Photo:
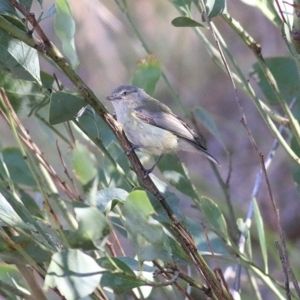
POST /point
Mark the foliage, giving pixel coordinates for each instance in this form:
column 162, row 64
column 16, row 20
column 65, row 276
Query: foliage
column 89, row 224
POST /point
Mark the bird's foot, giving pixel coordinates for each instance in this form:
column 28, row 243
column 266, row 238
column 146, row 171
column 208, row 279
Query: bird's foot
column 148, row 171
column 132, row 148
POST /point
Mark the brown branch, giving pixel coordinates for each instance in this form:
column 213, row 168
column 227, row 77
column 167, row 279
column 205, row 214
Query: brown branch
column 165, row 273
column 280, row 11
column 118, row 242
column 285, row 270
column 170, row 281
column 31, row 18
column 279, row 228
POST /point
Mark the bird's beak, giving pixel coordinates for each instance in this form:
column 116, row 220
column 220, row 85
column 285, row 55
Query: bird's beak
column 111, row 98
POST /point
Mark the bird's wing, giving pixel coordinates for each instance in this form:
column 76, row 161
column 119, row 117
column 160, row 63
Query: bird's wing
column 161, row 116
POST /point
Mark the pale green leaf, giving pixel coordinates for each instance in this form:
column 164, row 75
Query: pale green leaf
column 84, row 164
column 261, row 234
column 147, row 73
column 147, row 236
column 73, row 273
column 65, row 28
column 214, row 216
column 18, row 58
column 64, row 107
column 205, row 118
column 8, row 215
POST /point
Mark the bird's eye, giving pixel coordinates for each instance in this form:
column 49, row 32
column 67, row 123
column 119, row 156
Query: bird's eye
column 125, row 93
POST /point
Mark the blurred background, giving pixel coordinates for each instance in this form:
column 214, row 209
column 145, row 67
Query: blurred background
column 108, row 51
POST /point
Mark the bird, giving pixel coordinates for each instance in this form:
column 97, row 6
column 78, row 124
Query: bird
column 151, row 126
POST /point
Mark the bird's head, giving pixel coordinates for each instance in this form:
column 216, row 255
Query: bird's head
column 127, row 93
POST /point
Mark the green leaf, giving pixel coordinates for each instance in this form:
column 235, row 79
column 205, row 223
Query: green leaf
column 119, row 282
column 147, row 73
column 18, row 58
column 206, row 240
column 23, row 95
column 8, row 215
column 106, row 197
column 183, row 5
column 19, row 171
column 50, row 12
column 285, row 72
column 93, row 227
column 110, row 174
column 6, row 6
column 64, row 107
column 7, row 272
column 10, row 255
column 215, row 8
column 176, row 173
column 172, row 200
column 295, row 167
column 147, row 236
column 14, row 20
column 214, row 216
column 120, row 277
column 49, row 81
column 73, row 273
column 114, row 264
column 26, row 3
column 84, row 164
column 30, row 204
column 135, row 265
column 185, row 22
column 205, row 118
column 65, row 28
column 95, row 127
column 261, row 234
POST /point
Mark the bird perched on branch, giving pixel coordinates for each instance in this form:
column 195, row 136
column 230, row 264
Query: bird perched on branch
column 151, row 126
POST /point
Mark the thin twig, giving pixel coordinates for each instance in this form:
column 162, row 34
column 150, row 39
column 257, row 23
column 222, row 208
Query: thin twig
column 169, row 281
column 118, row 242
column 217, row 270
column 285, row 270
column 189, row 280
column 67, row 172
column 279, row 228
column 31, row 18
column 111, row 248
column 167, row 275
column 280, row 11
column 254, row 194
column 71, row 133
column 25, row 137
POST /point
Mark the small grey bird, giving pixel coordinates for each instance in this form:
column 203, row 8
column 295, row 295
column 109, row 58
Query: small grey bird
column 151, row 126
